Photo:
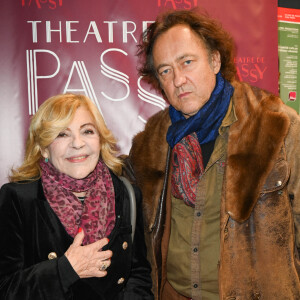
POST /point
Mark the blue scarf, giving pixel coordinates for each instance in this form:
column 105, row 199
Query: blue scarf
column 208, row 119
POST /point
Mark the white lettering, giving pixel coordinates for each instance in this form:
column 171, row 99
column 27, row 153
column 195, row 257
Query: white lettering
column 66, row 31
column 33, row 77
column 49, row 30
column 34, row 30
column 86, row 83
column 69, row 30
column 95, row 32
column 150, row 98
column 146, row 24
column 126, row 32
column 114, row 74
column 110, row 30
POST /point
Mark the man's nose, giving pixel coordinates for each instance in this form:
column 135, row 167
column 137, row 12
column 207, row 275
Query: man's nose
column 179, row 78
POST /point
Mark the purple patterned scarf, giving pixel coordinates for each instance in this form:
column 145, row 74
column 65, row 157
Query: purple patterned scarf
column 187, row 169
column 186, row 135
column 96, row 216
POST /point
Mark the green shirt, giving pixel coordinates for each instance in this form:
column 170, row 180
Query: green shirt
column 194, row 246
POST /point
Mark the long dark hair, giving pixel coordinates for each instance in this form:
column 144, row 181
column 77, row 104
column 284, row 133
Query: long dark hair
column 209, row 30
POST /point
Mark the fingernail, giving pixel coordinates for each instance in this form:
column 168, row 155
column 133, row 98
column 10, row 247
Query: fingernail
column 79, row 230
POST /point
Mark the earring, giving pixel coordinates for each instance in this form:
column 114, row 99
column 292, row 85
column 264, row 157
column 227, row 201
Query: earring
column 46, row 159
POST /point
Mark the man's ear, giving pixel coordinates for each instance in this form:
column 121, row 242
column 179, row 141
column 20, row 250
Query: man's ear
column 216, row 61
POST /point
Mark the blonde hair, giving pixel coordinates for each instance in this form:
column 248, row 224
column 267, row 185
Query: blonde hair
column 54, row 116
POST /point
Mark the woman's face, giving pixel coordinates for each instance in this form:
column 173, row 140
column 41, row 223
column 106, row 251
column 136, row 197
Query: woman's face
column 75, row 151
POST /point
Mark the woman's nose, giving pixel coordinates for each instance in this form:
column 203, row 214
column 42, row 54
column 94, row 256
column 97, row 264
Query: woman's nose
column 77, row 142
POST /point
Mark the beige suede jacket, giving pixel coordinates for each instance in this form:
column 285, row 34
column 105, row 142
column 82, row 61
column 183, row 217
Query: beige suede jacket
column 260, row 204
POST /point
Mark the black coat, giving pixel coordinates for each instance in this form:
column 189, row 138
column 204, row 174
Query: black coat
column 30, row 230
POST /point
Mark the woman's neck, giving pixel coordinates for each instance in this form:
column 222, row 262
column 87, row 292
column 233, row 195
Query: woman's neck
column 80, row 194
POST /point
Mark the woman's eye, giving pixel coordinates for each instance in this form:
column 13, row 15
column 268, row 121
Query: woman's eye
column 89, row 131
column 61, row 134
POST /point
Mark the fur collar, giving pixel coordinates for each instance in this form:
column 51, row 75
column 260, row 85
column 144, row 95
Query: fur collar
column 254, row 141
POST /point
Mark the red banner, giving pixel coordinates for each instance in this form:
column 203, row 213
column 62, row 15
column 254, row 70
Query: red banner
column 56, row 46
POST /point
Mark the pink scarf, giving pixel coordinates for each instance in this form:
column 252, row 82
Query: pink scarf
column 187, row 169
column 96, row 216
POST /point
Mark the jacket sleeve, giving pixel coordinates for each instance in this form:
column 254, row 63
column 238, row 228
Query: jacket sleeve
column 19, row 279
column 139, row 283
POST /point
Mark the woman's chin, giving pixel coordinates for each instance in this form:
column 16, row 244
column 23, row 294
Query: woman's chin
column 79, row 175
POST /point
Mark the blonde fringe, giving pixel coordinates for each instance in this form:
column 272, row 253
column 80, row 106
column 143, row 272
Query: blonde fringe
column 58, row 111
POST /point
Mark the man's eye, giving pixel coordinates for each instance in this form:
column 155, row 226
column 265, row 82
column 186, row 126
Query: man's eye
column 164, row 72
column 187, row 62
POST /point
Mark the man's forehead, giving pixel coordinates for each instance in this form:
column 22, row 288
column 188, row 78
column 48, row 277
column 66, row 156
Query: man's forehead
column 176, row 44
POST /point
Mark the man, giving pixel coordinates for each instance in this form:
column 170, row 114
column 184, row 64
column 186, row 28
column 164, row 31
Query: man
column 219, row 171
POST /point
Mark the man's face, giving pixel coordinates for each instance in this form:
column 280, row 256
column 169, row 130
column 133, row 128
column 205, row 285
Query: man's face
column 185, row 69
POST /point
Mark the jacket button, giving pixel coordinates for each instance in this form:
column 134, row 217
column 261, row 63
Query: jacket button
column 52, row 255
column 121, row 280
column 278, row 183
column 125, row 245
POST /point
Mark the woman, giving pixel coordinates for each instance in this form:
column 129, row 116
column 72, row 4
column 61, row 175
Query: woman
column 64, row 217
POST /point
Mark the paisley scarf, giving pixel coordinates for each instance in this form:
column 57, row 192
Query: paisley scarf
column 186, row 135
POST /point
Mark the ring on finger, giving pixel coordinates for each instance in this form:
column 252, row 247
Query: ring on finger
column 103, row 267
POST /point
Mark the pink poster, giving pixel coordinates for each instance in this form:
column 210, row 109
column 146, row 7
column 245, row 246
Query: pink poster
column 56, row 46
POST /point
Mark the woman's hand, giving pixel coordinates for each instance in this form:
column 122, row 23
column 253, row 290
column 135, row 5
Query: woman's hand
column 89, row 260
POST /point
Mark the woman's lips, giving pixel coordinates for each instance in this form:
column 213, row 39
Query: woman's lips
column 75, row 159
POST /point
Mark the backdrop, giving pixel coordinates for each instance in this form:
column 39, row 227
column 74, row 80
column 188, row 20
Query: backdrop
column 289, row 55
column 56, row 46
